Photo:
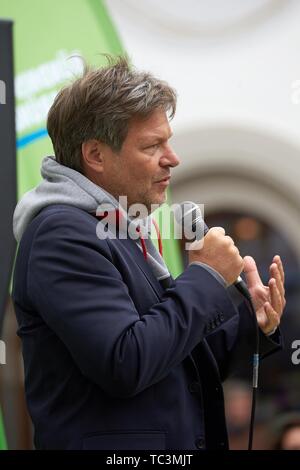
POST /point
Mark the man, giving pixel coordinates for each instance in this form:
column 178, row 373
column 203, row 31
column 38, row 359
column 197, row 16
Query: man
column 113, row 360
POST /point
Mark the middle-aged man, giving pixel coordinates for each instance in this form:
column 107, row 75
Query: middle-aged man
column 114, row 359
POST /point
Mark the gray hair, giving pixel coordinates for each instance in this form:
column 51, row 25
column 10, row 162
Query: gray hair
column 100, row 105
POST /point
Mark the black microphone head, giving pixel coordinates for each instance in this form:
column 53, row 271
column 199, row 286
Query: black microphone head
column 189, row 218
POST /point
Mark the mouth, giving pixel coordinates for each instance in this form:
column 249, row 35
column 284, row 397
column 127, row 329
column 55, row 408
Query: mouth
column 164, row 181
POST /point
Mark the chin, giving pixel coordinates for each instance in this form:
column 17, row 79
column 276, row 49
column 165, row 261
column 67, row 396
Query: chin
column 153, row 199
column 160, row 200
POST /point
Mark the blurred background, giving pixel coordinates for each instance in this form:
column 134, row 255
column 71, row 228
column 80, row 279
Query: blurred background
column 236, row 68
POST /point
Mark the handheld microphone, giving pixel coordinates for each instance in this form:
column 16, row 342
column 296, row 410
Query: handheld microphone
column 189, row 217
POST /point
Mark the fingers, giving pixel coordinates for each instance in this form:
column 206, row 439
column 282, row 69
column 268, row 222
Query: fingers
column 220, row 253
column 273, row 319
column 251, row 272
column 218, row 229
column 276, row 271
column 275, row 296
column 278, row 261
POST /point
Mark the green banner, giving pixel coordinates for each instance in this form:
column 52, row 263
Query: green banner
column 3, row 444
column 47, row 33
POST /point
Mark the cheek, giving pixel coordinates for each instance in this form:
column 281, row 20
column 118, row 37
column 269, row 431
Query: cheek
column 143, row 173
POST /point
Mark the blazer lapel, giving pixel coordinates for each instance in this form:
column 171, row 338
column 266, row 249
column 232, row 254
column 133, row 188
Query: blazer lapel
column 134, row 252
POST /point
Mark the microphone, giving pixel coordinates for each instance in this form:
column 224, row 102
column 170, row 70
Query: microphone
column 189, row 217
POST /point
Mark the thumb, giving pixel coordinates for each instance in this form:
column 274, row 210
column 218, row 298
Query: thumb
column 251, row 272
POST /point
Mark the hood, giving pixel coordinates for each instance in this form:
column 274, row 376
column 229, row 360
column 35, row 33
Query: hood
column 60, row 185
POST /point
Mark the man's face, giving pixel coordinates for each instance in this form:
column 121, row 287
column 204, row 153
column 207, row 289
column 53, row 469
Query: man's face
column 141, row 169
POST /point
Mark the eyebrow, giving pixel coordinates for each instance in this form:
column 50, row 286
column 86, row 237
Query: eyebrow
column 154, row 137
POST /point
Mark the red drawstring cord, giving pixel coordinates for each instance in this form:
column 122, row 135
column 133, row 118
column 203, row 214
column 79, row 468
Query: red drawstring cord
column 160, row 247
column 142, row 243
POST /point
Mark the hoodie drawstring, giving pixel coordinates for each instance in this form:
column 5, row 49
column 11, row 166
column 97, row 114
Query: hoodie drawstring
column 160, row 246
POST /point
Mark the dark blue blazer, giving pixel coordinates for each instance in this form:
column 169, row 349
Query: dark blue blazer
column 113, row 361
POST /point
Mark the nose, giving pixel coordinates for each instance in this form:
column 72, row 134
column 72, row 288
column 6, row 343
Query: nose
column 169, row 157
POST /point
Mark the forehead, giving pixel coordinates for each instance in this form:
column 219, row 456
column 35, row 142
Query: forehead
column 154, row 126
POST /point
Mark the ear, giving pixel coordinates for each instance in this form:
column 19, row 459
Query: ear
column 92, row 155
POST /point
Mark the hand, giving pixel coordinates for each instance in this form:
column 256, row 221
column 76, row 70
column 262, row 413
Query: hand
column 269, row 301
column 218, row 251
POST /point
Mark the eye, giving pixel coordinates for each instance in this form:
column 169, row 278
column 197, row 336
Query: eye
column 153, row 147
